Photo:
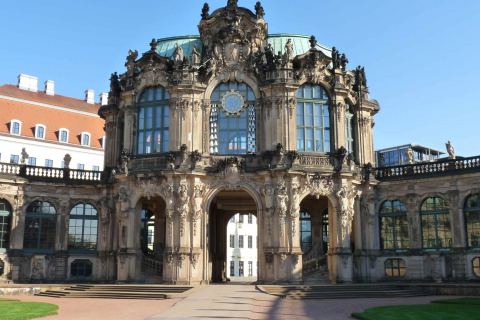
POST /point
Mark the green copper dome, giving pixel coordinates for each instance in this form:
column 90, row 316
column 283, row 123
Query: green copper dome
column 301, row 44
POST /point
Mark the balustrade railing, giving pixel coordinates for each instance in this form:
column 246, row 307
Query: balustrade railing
column 50, row 174
column 425, row 169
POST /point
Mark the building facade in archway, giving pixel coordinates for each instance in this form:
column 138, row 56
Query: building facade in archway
column 199, row 128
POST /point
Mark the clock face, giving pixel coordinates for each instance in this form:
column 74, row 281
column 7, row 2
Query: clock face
column 233, row 102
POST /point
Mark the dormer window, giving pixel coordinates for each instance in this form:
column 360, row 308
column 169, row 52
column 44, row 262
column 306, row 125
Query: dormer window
column 15, row 127
column 40, row 131
column 85, row 139
column 63, row 135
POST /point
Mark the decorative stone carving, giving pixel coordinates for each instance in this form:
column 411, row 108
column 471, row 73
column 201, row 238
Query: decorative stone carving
column 205, row 11
column 38, row 266
column 66, row 161
column 148, row 187
column 182, row 205
column 124, row 198
column 198, row 194
column 450, row 149
column 24, row 157
column 294, row 206
column 259, row 11
column 320, row 185
column 268, row 192
column 346, row 198
column 281, row 205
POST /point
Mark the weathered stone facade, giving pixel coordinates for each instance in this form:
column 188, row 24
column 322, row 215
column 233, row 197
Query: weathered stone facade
column 192, row 191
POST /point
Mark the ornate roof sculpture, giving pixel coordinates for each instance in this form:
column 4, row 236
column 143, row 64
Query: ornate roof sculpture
column 234, row 42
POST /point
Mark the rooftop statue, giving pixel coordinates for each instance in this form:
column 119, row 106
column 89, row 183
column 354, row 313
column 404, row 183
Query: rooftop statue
column 232, row 3
column 178, row 55
column 450, row 149
column 259, row 11
column 205, row 11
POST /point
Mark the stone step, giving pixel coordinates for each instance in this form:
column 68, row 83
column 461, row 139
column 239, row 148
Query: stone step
column 342, row 291
column 116, row 291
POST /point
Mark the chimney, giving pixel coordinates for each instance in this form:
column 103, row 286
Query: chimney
column 27, row 82
column 90, row 96
column 50, row 87
column 104, row 98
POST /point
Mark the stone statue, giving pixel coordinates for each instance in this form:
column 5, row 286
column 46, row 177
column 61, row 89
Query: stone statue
column 114, row 87
column 24, row 156
column 450, row 150
column 66, row 161
column 153, row 45
column 130, row 64
column 259, row 11
column 205, row 11
column 288, row 54
column 410, row 155
column 232, row 3
column 178, row 54
column 313, row 42
column 195, row 56
column 281, row 201
column 343, row 61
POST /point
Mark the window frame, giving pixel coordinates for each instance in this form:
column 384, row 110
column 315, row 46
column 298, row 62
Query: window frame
column 16, row 121
column 305, row 216
column 436, row 214
column 470, row 211
column 399, row 271
column 85, row 134
column 39, row 126
column 5, row 225
column 49, row 217
column 395, row 215
column 152, row 135
column 233, row 133
column 67, row 132
column 83, row 218
column 317, row 121
column 47, row 162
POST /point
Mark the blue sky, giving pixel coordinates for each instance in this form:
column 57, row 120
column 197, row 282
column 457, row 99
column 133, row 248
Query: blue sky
column 421, row 56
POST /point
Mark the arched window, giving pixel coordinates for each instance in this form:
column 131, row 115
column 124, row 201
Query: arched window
column 393, row 225
column 40, row 223
column 232, row 119
column 349, row 133
column 153, row 121
column 83, row 227
column 147, row 230
column 436, row 229
column 305, row 231
column 471, row 210
column 313, row 119
column 5, row 218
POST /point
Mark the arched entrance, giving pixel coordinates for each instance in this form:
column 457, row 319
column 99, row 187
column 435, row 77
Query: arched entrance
column 315, row 229
column 151, row 237
column 235, row 211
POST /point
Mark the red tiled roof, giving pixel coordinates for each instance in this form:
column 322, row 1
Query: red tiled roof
column 31, row 114
column 42, row 97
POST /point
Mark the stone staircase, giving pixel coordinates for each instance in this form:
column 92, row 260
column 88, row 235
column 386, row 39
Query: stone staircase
column 342, row 291
column 105, row 291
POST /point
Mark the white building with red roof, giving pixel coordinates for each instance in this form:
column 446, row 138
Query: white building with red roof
column 48, row 126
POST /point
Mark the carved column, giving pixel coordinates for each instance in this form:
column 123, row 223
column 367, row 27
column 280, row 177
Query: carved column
column 339, row 124
column 206, row 126
column 414, row 221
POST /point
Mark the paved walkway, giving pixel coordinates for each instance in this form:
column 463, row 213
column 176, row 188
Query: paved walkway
column 217, row 302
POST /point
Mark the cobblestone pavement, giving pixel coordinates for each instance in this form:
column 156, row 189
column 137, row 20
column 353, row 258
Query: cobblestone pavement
column 217, row 302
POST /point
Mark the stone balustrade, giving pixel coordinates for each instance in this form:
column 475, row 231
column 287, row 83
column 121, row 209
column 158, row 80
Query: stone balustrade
column 426, row 169
column 37, row 173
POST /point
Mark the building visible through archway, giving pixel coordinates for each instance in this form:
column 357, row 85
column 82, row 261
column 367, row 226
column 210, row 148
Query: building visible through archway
column 224, row 206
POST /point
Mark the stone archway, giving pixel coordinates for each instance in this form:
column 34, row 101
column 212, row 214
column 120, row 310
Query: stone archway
column 224, row 204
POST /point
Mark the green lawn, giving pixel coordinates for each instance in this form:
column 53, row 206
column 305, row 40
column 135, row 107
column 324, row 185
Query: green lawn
column 454, row 309
column 17, row 310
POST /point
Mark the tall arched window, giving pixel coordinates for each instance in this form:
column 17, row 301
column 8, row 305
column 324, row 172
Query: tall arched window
column 153, row 121
column 5, row 218
column 305, row 231
column 313, row 119
column 232, row 119
column 436, row 228
column 471, row 211
column 393, row 225
column 147, row 231
column 40, row 224
column 83, row 227
column 349, row 133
